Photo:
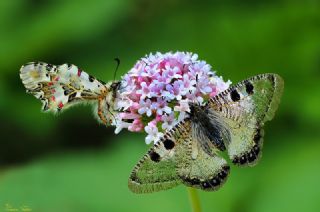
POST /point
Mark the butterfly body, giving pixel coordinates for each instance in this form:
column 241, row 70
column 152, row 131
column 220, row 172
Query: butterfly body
column 189, row 153
column 211, row 128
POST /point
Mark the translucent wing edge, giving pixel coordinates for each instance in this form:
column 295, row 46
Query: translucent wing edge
column 278, row 84
column 136, row 187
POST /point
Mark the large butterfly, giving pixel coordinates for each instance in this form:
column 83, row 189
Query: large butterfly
column 232, row 121
column 59, row 87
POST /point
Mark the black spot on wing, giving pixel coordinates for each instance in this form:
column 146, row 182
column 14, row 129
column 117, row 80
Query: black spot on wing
column 205, row 185
column 256, row 150
column 49, row 67
column 247, row 158
column 45, row 106
column 215, row 182
column 249, row 87
column 243, row 159
column 102, row 82
column 91, row 78
column 72, row 97
column 154, row 156
column 193, row 181
column 271, row 77
column 134, row 177
column 257, row 136
column 168, row 144
column 235, row 160
column 251, row 157
column 234, row 95
column 66, row 92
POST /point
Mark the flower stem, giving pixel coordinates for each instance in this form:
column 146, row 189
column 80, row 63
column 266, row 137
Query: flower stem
column 194, row 199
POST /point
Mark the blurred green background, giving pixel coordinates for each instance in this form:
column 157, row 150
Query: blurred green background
column 71, row 163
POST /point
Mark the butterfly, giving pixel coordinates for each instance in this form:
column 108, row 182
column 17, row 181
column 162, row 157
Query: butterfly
column 190, row 153
column 59, row 87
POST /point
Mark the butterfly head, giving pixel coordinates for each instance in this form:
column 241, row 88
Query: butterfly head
column 195, row 107
column 111, row 90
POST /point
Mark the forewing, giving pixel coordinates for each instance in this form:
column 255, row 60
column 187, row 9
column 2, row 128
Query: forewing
column 60, row 86
column 245, row 108
column 157, row 170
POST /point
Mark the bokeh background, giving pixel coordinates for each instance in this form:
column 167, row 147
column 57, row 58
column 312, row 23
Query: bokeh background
column 71, row 163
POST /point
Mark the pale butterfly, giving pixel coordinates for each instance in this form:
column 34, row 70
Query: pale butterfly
column 189, row 153
column 59, row 87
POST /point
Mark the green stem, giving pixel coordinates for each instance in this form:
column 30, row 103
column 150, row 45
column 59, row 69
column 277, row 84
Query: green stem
column 194, row 199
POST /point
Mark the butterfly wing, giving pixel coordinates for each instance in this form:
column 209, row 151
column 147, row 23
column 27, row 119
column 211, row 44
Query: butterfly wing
column 178, row 158
column 205, row 170
column 245, row 108
column 59, row 87
column 157, row 169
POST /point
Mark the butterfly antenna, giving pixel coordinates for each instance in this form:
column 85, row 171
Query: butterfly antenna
column 118, row 64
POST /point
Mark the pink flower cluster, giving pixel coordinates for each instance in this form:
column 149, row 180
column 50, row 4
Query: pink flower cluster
column 156, row 92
